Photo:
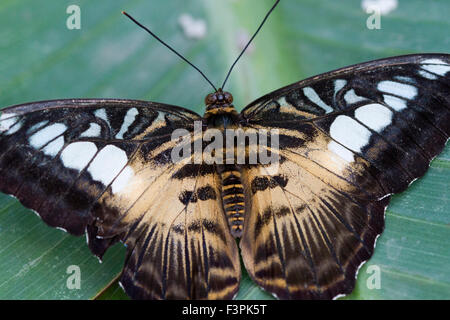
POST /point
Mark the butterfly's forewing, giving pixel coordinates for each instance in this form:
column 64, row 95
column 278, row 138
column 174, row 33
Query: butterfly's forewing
column 105, row 167
column 348, row 139
column 59, row 157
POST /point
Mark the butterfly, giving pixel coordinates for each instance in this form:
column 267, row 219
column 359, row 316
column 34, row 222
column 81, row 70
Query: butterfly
column 348, row 140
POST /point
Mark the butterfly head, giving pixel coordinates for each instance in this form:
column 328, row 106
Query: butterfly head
column 219, row 102
column 218, row 99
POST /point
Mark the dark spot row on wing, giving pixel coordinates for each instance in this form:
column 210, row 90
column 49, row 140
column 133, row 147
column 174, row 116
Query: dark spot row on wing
column 187, row 196
column 210, row 226
column 262, row 183
column 203, row 193
column 206, row 193
column 192, row 170
column 178, row 228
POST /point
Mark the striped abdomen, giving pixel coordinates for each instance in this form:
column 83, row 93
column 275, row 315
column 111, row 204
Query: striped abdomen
column 233, row 199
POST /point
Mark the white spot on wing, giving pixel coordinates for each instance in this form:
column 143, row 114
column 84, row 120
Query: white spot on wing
column 94, row 130
column 101, row 113
column 7, row 120
column 437, row 69
column 351, row 97
column 427, row 75
column 14, row 128
column 107, row 164
column 400, row 89
column 161, row 116
column 405, row 79
column 434, row 61
column 375, row 116
column 282, row 101
column 349, row 133
column 122, row 179
column 77, row 155
column 338, row 85
column 192, row 28
column 311, row 94
column 54, row 147
column 342, row 152
column 395, row 103
column 42, row 137
column 37, row 126
column 127, row 122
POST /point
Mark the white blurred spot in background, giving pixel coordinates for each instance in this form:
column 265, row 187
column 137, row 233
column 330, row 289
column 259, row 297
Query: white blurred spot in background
column 192, row 28
column 242, row 38
column 382, row 6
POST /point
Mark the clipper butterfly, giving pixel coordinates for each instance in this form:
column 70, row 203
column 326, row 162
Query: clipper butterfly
column 348, row 140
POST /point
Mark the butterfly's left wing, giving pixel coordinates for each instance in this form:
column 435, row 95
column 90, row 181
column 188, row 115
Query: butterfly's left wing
column 104, row 167
column 348, row 139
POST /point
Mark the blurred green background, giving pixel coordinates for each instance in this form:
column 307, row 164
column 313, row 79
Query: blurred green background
column 41, row 59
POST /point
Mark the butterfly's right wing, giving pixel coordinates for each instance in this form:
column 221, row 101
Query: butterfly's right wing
column 60, row 158
column 348, row 139
column 105, row 167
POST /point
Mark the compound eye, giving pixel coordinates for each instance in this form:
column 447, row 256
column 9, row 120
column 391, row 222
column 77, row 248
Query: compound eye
column 210, row 99
column 228, row 97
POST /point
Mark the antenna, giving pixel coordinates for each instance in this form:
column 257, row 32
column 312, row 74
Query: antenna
column 248, row 43
column 186, row 60
column 169, row 47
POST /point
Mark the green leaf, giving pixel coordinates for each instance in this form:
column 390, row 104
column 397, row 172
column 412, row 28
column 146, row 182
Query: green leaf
column 41, row 59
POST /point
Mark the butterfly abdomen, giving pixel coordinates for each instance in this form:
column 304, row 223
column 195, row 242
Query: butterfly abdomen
column 233, row 199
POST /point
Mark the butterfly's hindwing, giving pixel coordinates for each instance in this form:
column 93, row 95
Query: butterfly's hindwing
column 315, row 219
column 348, row 139
column 180, row 246
column 304, row 237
